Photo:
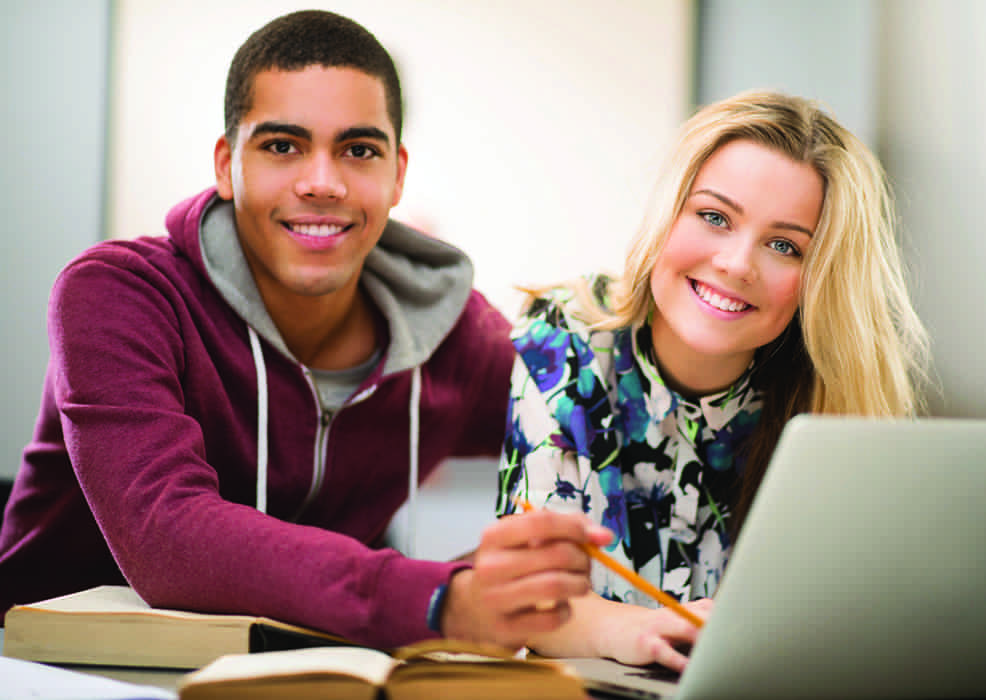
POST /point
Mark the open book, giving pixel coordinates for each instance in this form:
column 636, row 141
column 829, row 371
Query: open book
column 111, row 625
column 422, row 671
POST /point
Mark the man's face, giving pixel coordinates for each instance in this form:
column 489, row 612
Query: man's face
column 313, row 174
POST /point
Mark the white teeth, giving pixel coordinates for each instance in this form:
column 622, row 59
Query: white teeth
column 720, row 302
column 316, row 229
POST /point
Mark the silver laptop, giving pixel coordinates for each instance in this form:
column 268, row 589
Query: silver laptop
column 860, row 573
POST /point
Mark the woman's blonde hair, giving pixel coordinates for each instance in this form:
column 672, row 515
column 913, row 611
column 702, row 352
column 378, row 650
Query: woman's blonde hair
column 856, row 345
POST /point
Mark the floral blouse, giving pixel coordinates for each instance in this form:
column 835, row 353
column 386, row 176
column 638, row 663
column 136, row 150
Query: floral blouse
column 592, row 427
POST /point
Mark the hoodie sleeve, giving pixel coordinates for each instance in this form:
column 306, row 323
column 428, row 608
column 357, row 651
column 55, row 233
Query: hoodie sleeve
column 123, row 346
column 481, row 339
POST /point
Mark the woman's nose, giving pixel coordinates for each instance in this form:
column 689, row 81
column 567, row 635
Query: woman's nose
column 737, row 258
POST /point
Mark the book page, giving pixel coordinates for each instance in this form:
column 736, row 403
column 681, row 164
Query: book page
column 99, row 599
column 369, row 664
column 123, row 599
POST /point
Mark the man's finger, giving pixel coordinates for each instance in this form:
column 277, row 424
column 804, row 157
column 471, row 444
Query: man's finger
column 537, row 526
column 502, row 565
column 531, row 591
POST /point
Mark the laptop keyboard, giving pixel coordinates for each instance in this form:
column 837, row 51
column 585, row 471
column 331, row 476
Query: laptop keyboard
column 656, row 672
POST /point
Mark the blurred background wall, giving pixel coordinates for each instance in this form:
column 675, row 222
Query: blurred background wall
column 53, row 78
column 532, row 125
column 527, row 123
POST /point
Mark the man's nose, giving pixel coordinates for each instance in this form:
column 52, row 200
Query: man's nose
column 321, row 179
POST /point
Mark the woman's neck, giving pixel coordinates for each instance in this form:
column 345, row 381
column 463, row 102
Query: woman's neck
column 691, row 373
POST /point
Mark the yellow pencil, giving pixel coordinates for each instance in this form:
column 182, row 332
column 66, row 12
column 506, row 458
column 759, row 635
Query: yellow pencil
column 633, row 577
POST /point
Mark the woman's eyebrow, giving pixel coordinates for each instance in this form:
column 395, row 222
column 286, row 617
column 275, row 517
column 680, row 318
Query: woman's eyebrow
column 722, row 198
column 735, row 206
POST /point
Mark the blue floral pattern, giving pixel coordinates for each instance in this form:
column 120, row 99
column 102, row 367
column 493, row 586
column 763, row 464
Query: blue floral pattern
column 592, row 428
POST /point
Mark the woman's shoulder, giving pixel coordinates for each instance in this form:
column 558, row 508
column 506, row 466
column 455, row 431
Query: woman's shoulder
column 574, row 307
column 559, row 327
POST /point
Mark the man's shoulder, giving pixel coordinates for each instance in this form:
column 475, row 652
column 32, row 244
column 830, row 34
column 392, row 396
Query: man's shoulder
column 479, row 313
column 138, row 256
column 481, row 330
column 127, row 253
column 148, row 262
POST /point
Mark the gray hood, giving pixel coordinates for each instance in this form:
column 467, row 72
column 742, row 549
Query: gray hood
column 419, row 284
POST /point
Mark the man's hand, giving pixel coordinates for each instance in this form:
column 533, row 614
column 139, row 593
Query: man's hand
column 525, row 570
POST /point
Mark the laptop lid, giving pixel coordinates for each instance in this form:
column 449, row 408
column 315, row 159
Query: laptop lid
column 861, row 569
column 860, row 572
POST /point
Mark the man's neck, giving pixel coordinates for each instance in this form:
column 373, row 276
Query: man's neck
column 335, row 331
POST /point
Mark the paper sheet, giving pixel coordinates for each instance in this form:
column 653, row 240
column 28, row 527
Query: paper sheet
column 25, row 680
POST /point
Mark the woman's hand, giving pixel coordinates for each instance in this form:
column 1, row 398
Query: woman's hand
column 627, row 633
column 525, row 571
column 634, row 635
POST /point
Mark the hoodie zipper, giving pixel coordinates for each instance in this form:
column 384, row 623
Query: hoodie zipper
column 324, row 419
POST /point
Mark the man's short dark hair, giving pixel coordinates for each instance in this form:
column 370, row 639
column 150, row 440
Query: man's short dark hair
column 306, row 38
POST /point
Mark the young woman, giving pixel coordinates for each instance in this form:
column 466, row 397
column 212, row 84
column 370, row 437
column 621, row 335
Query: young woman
column 765, row 281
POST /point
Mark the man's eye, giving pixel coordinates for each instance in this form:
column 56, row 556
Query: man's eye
column 280, row 147
column 714, row 218
column 362, row 151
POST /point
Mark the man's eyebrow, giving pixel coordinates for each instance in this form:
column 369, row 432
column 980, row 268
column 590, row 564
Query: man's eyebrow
column 736, row 207
column 287, row 128
column 363, row 132
column 273, row 127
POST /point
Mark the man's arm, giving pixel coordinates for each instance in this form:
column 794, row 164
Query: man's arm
column 136, row 406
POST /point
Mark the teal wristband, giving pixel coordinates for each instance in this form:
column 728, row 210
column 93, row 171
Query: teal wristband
column 435, row 606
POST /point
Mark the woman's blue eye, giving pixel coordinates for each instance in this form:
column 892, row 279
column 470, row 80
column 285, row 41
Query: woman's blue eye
column 714, row 218
column 784, row 247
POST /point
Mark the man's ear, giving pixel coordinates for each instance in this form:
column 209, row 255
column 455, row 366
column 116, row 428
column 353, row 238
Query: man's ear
column 223, row 159
column 401, row 171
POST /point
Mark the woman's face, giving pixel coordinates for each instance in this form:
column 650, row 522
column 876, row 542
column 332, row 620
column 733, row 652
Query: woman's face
column 727, row 280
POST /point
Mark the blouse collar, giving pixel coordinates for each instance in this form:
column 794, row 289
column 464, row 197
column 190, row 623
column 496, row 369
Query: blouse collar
column 717, row 409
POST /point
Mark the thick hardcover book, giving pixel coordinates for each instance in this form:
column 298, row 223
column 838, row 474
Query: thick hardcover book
column 423, row 671
column 112, row 626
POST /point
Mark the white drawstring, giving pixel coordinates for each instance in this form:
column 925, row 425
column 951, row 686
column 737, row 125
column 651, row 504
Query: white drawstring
column 412, row 479
column 414, row 408
column 258, row 363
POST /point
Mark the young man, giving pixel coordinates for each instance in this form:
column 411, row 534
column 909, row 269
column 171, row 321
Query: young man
column 233, row 413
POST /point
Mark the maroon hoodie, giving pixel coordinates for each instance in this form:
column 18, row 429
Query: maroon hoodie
column 143, row 468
